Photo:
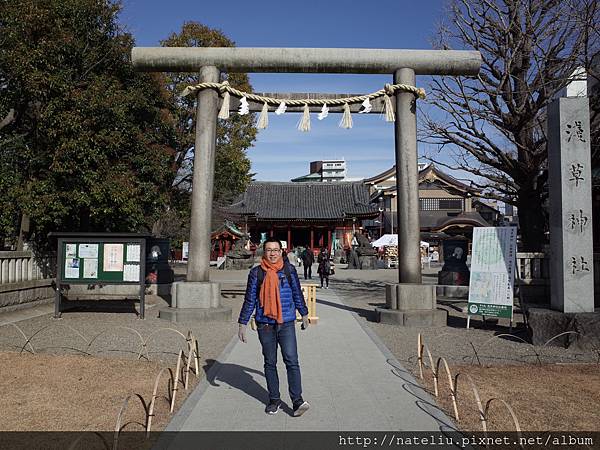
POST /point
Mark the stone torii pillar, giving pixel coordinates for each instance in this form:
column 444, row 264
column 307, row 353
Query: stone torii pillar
column 409, row 294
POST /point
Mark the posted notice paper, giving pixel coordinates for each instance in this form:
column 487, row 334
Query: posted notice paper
column 133, row 252
column 71, row 250
column 131, row 272
column 90, row 268
column 88, row 251
column 72, row 268
column 113, row 258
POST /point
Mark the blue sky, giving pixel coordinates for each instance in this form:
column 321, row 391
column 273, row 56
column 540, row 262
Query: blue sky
column 281, row 152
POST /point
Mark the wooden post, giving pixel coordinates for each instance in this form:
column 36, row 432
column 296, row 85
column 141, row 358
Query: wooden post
column 329, row 241
column 289, row 238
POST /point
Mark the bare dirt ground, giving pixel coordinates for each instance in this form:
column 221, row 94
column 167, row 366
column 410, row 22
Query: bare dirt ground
column 547, row 398
column 73, row 393
column 78, row 370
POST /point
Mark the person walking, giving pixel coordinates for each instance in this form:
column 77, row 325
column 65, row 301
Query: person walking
column 274, row 295
column 307, row 261
column 324, row 268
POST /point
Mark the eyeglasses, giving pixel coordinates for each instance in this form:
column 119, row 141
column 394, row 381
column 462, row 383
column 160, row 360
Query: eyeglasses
column 273, row 250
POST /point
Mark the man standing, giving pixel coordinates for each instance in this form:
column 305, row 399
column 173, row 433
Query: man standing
column 273, row 293
column 324, row 269
column 307, row 261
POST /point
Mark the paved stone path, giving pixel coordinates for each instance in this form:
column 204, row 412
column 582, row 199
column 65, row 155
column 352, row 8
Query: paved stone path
column 348, row 377
column 26, row 313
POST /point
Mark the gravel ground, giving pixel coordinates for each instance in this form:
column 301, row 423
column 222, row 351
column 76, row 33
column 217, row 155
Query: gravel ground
column 482, row 343
column 115, row 335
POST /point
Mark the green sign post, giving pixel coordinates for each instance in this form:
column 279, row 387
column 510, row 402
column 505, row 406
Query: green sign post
column 100, row 258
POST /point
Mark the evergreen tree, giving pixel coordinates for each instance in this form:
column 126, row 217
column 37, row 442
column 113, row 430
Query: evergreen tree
column 89, row 141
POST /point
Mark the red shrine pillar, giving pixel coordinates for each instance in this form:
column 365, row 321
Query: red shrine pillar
column 289, row 238
column 312, row 237
column 329, row 241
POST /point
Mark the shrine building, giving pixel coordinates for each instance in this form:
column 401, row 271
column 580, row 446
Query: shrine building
column 306, row 214
column 447, row 206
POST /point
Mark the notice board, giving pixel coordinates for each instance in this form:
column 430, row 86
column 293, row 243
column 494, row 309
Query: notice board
column 99, row 259
column 492, row 271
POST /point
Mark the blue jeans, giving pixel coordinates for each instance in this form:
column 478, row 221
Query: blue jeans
column 285, row 335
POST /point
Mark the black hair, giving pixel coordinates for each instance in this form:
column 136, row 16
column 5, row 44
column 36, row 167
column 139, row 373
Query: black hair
column 272, row 239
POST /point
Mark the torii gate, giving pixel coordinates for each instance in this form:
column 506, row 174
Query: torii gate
column 197, row 297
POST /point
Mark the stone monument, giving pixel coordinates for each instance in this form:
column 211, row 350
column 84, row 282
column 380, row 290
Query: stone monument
column 454, row 271
column 571, row 254
column 367, row 255
column 239, row 257
column 352, row 258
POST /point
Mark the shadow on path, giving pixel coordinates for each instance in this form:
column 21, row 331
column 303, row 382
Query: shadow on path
column 236, row 376
column 362, row 312
column 240, row 378
column 100, row 305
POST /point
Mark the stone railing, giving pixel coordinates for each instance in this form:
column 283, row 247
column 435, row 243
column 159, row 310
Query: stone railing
column 16, row 267
column 534, row 275
column 534, row 268
column 24, row 279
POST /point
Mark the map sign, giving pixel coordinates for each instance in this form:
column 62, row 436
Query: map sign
column 492, row 271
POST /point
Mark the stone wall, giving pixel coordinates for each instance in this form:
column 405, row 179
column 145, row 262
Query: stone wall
column 15, row 294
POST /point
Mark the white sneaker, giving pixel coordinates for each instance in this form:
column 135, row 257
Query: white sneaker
column 301, row 409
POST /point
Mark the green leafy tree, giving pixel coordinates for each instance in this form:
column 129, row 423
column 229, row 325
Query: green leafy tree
column 92, row 140
column 234, row 135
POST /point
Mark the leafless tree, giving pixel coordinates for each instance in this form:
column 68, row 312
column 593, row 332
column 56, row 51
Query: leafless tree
column 493, row 125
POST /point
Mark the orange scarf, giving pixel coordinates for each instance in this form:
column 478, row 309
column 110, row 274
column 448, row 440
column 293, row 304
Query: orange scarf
column 270, row 300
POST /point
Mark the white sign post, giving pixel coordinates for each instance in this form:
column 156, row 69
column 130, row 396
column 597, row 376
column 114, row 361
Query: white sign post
column 492, row 272
column 185, row 251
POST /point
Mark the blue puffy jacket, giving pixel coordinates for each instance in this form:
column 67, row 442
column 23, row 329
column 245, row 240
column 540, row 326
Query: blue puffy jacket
column 291, row 298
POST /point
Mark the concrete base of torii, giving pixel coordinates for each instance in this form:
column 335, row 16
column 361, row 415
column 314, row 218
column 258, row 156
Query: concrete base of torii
column 411, row 305
column 195, row 301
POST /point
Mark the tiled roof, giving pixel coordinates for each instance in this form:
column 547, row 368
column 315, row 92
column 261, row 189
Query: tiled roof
column 472, row 218
column 424, row 173
column 302, row 201
column 310, row 176
column 435, row 220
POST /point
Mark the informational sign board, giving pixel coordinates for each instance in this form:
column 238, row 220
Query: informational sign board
column 99, row 259
column 185, row 251
column 492, row 272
